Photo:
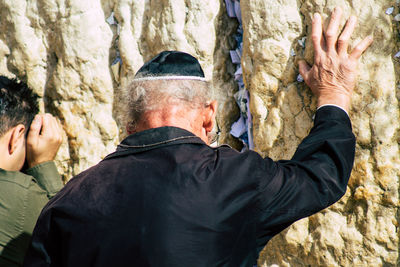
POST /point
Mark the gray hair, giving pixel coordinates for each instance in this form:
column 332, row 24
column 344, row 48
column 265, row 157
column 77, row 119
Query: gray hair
column 146, row 95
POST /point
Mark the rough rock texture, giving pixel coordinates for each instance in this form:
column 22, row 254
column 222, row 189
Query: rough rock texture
column 200, row 28
column 362, row 229
column 61, row 49
column 65, row 50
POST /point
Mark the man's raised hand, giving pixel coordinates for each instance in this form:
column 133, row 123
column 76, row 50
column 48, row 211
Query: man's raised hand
column 44, row 140
column 333, row 76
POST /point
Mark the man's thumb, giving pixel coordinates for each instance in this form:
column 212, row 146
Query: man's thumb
column 34, row 129
column 304, row 68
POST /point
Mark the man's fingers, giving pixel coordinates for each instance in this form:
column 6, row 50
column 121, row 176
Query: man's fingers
column 58, row 126
column 316, row 35
column 34, row 129
column 51, row 130
column 47, row 128
column 361, row 47
column 331, row 33
column 57, row 130
column 304, row 69
column 343, row 41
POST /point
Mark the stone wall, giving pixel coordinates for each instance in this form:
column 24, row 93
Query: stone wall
column 78, row 54
column 66, row 49
column 362, row 229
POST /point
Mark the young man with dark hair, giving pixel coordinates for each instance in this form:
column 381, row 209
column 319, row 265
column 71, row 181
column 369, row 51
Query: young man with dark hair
column 23, row 194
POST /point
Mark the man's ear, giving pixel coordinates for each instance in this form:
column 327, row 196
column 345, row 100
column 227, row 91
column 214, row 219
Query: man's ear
column 130, row 129
column 17, row 138
column 209, row 116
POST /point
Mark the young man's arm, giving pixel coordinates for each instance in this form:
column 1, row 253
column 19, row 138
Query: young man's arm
column 30, row 192
column 47, row 177
column 43, row 141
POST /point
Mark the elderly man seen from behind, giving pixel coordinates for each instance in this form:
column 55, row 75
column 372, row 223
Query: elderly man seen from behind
column 166, row 198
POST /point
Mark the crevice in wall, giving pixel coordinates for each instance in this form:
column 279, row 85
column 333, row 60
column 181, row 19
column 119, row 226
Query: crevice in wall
column 243, row 128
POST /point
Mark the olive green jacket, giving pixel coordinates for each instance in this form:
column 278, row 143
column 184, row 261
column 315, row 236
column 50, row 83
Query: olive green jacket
column 22, row 197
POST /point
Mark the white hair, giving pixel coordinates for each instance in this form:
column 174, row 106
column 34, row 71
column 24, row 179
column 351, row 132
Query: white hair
column 144, row 95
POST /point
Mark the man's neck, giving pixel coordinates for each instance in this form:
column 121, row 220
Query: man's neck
column 188, row 119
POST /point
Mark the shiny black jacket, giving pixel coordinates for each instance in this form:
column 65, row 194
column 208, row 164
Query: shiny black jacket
column 165, row 198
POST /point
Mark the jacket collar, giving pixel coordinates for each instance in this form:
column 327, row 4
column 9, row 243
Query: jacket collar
column 155, row 138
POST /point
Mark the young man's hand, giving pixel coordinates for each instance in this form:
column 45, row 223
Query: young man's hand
column 333, row 76
column 44, row 140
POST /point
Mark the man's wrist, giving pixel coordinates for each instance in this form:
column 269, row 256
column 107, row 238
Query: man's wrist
column 40, row 165
column 33, row 163
column 47, row 176
column 339, row 100
column 333, row 105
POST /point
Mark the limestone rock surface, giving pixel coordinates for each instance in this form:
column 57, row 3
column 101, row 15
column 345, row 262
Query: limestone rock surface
column 78, row 55
column 362, row 228
column 66, row 50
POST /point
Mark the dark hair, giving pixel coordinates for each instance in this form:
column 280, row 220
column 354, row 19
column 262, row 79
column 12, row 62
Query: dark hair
column 18, row 104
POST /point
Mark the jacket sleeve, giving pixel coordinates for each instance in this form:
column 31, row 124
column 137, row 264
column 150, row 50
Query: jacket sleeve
column 313, row 179
column 25, row 195
column 46, row 182
column 47, row 177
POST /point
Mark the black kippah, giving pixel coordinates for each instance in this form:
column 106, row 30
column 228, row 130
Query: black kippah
column 171, row 65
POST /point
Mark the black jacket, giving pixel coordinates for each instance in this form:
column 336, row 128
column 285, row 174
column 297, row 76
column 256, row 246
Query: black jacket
column 165, row 198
